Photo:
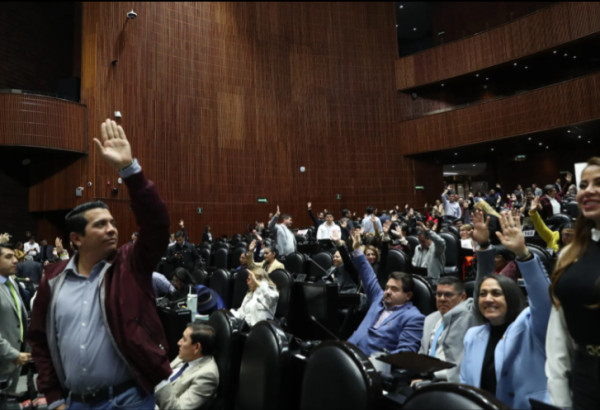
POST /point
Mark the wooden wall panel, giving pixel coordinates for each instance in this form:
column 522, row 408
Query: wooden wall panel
column 547, row 28
column 224, row 102
column 56, row 189
column 42, row 122
column 551, row 107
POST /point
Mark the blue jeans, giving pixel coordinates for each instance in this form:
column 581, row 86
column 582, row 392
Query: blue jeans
column 132, row 399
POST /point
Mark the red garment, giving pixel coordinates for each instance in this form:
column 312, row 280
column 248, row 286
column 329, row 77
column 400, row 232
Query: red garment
column 547, row 210
column 129, row 299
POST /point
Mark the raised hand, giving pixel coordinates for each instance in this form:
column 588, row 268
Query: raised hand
column 356, row 239
column 344, row 223
column 181, row 223
column 480, row 232
column 309, row 205
column 535, row 204
column 114, row 147
column 373, row 218
column 406, row 207
column 335, row 237
column 422, row 226
column 325, row 210
column 512, row 237
column 434, row 228
column 394, row 217
column 4, row 238
column 425, row 205
column 398, row 232
column 386, row 227
column 278, row 213
column 252, row 246
column 260, row 239
column 58, row 245
column 569, row 177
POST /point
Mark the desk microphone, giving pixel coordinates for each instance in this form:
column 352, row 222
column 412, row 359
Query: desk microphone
column 320, row 267
column 312, row 318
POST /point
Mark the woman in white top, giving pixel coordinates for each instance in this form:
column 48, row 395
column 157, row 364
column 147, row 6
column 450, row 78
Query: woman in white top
column 260, row 302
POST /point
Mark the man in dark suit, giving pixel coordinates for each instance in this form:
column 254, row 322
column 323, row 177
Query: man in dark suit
column 183, row 254
column 31, row 270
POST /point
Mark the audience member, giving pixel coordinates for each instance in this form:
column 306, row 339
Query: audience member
column 451, row 207
column 506, row 355
column 285, row 240
column 519, row 193
column 465, row 237
column 384, row 217
column 13, row 325
column 326, row 230
column 549, row 204
column 392, row 323
column 19, row 252
column 31, row 248
column 537, row 191
column 316, row 221
column 438, row 209
column 269, row 264
column 505, row 263
column 30, row 271
column 260, row 302
column 494, row 224
column 207, row 235
column 555, row 240
column 183, row 254
column 402, row 245
column 208, row 301
column 347, row 216
column 100, row 350
column 183, row 283
column 133, row 237
column 573, row 340
column 431, row 253
column 343, row 271
column 196, row 375
column 161, row 285
column 370, row 223
column 478, row 197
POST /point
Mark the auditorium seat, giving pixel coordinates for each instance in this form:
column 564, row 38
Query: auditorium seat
column 220, row 282
column 199, row 276
column 396, row 262
column 453, row 266
column 241, row 244
column 234, row 257
column 221, row 258
column 205, row 254
column 414, row 242
column 572, row 209
column 283, row 280
column 204, row 245
column 555, row 222
column 470, row 288
column 338, row 375
column 423, row 297
column 324, row 260
column 227, row 356
column 295, row 263
column 220, row 245
column 451, row 396
column 240, row 288
column 265, row 369
column 547, row 260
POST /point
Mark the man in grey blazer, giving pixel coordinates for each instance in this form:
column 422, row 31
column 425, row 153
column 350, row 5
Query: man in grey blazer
column 445, row 329
column 13, row 322
column 285, row 241
column 195, row 374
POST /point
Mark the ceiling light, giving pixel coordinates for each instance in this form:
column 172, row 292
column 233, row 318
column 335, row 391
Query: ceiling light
column 492, row 149
column 487, row 78
column 515, row 64
column 547, row 147
column 554, row 52
column 529, row 138
column 568, row 130
column 526, row 67
column 579, row 136
column 566, row 54
column 396, row 26
column 456, row 153
column 473, row 164
column 452, row 166
column 26, row 161
column 589, row 142
column 574, row 56
column 450, row 173
column 540, row 143
column 442, row 84
column 401, row 6
column 485, row 87
column 476, row 75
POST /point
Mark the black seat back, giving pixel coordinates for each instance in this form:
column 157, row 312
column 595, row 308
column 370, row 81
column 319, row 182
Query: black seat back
column 205, row 254
column 199, row 276
column 295, row 263
column 220, row 245
column 423, row 297
column 452, row 258
column 220, row 282
column 241, row 244
column 414, row 242
column 470, row 288
column 324, row 260
column 396, row 262
column 205, row 245
column 227, row 356
column 234, row 257
column 221, row 258
column 283, row 280
column 572, row 209
column 454, row 397
column 240, row 288
column 558, row 220
column 547, row 260
column 264, row 371
column 338, row 375
column 235, row 240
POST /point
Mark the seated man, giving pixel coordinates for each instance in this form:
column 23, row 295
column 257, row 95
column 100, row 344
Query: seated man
column 392, row 323
column 195, row 374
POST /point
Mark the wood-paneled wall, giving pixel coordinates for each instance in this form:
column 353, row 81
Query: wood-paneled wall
column 224, row 102
column 38, row 121
column 539, row 31
column 551, row 107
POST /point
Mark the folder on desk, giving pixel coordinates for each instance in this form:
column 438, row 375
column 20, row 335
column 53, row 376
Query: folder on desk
column 416, row 363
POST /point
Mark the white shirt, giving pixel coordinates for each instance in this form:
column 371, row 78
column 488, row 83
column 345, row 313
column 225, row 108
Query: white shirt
column 35, row 247
column 555, row 206
column 325, row 231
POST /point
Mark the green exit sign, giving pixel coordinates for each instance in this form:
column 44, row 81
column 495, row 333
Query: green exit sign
column 338, row 196
column 199, row 210
column 420, row 188
column 263, row 201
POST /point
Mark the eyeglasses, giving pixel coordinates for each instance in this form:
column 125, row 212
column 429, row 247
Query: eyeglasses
column 447, row 295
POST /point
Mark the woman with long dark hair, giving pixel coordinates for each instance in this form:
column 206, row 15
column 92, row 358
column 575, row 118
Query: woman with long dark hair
column 573, row 340
column 183, row 283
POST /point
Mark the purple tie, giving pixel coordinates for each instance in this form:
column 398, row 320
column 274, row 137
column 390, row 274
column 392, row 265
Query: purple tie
column 185, row 366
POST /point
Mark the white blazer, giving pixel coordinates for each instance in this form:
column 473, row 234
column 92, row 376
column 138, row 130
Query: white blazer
column 258, row 305
column 560, row 353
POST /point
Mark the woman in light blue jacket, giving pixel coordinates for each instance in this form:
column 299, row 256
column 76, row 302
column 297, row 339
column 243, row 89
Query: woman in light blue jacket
column 506, row 355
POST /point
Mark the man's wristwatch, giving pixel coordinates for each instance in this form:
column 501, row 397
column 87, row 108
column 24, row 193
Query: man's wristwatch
column 525, row 256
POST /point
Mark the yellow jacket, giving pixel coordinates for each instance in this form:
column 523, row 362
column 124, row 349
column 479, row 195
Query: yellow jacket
column 550, row 237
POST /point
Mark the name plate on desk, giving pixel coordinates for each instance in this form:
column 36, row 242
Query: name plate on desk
column 529, row 234
column 416, row 363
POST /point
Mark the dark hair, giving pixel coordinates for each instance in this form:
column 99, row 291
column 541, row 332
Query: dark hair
column 345, row 211
column 568, row 225
column 515, row 301
column 185, row 278
column 271, row 249
column 328, row 213
column 6, row 245
column 527, row 190
column 285, row 216
column 205, row 335
column 369, row 210
column 18, row 245
column 548, row 188
column 423, row 233
column 408, row 283
column 206, row 228
column 456, row 283
column 179, row 234
column 506, row 254
column 76, row 221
